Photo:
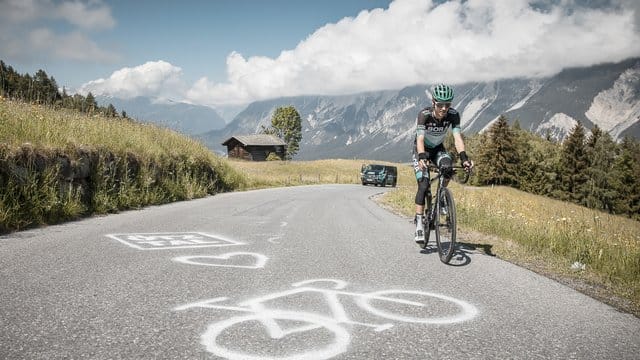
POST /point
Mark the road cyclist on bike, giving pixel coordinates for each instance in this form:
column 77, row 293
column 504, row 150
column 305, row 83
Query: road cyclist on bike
column 432, row 126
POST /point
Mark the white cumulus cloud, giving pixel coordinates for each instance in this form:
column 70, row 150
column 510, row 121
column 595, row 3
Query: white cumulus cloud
column 26, row 31
column 419, row 41
column 154, row 78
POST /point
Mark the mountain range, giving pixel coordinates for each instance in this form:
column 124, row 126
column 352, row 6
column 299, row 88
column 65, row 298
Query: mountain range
column 381, row 124
column 188, row 119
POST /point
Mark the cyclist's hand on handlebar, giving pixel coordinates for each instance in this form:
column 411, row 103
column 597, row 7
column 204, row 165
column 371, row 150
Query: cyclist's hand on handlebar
column 468, row 165
column 423, row 160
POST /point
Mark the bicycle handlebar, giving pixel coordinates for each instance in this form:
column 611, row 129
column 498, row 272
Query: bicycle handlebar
column 453, row 169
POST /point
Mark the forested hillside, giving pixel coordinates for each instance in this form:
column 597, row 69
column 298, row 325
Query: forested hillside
column 43, row 89
column 590, row 170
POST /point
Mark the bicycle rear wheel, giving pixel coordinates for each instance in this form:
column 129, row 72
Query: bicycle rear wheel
column 445, row 224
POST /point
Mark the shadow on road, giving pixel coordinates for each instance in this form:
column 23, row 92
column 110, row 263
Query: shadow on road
column 463, row 250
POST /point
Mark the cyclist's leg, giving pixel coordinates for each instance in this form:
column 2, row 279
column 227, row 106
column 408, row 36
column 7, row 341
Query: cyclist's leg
column 422, row 179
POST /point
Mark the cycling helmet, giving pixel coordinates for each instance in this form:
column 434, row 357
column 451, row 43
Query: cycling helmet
column 442, row 93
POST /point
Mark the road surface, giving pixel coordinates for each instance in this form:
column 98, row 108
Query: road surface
column 310, row 272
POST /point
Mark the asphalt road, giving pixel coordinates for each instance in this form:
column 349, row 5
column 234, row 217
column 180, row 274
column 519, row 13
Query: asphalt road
column 308, row 272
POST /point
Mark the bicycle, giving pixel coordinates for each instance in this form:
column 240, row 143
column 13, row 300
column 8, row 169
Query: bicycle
column 440, row 216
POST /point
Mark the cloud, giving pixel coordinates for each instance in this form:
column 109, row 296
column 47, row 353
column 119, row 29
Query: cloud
column 71, row 46
column 418, row 41
column 154, row 78
column 92, row 15
column 25, row 33
column 413, row 41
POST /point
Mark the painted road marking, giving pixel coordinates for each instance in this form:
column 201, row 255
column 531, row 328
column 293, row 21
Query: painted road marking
column 177, row 240
column 214, row 260
column 258, row 319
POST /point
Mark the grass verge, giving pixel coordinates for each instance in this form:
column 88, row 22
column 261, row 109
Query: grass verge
column 593, row 252
column 59, row 165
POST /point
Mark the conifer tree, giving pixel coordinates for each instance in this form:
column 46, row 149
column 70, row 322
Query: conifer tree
column 499, row 155
column 572, row 166
column 601, row 151
column 537, row 163
column 111, row 111
column 90, row 103
column 625, row 178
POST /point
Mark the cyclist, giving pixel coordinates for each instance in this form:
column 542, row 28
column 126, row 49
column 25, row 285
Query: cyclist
column 432, row 126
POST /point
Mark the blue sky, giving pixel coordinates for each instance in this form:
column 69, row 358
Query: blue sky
column 223, row 52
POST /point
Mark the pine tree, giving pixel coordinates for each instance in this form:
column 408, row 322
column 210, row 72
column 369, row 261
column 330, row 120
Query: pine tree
column 111, row 111
column 499, row 155
column 41, row 86
column 4, row 79
column 625, row 178
column 601, row 151
column 90, row 103
column 523, row 148
column 572, row 166
column 538, row 158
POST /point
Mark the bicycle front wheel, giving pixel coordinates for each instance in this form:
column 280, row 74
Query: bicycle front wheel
column 445, row 224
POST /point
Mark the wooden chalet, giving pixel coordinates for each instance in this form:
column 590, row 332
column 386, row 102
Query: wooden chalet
column 255, row 147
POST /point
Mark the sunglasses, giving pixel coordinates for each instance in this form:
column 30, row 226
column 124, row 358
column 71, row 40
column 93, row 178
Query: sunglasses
column 442, row 105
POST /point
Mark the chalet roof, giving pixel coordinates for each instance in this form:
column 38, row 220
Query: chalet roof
column 259, row 139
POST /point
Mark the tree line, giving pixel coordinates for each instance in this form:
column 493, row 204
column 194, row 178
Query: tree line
column 589, row 169
column 43, row 89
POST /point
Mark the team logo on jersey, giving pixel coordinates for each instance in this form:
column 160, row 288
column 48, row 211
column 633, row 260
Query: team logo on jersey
column 436, row 129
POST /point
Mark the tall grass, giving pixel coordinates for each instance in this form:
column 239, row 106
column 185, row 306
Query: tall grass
column 57, row 165
column 561, row 234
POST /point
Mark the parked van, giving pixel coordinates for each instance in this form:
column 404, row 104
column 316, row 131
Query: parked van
column 379, row 175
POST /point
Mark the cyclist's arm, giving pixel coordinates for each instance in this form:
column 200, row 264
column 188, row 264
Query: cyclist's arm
column 420, row 148
column 457, row 138
column 459, row 143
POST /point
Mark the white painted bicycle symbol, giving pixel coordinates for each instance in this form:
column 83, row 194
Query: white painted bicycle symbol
column 396, row 305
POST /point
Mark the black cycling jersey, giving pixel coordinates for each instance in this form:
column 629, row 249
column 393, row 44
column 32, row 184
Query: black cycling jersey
column 434, row 130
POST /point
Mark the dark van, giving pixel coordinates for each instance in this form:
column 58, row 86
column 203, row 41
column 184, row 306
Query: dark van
column 379, row 175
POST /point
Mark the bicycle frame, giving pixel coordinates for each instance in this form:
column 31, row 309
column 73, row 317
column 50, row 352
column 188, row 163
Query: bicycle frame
column 441, row 179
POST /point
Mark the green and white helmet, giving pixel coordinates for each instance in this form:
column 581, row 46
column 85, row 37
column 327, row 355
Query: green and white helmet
column 442, row 93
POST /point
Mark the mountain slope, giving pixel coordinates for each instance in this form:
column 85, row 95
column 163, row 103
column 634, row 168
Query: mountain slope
column 381, row 124
column 186, row 118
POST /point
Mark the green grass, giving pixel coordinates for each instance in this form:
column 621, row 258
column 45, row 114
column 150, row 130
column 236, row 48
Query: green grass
column 58, row 165
column 549, row 236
